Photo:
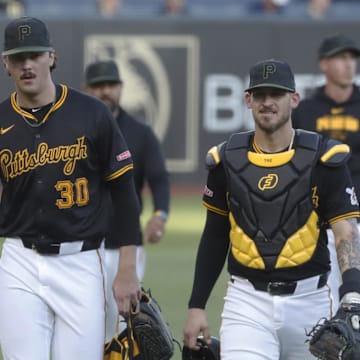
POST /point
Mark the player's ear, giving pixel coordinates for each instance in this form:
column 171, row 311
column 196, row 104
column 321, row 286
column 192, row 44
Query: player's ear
column 295, row 99
column 52, row 56
column 323, row 65
column 5, row 64
column 248, row 99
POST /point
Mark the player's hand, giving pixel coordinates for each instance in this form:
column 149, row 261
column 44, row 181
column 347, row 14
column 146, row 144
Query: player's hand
column 196, row 324
column 126, row 290
column 154, row 229
column 126, row 285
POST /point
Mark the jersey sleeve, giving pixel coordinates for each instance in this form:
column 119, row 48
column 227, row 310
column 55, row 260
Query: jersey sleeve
column 215, row 191
column 112, row 148
column 336, row 194
column 155, row 172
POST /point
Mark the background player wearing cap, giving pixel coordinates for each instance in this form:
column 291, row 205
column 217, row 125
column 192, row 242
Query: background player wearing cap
column 267, row 192
column 61, row 155
column 103, row 81
column 334, row 110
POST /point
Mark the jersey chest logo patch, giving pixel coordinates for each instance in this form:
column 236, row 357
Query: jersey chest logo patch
column 5, row 130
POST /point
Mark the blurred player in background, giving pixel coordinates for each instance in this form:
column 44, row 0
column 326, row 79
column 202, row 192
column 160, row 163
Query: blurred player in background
column 334, row 110
column 103, row 81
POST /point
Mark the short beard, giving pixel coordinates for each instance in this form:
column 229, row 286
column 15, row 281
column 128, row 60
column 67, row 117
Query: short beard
column 271, row 130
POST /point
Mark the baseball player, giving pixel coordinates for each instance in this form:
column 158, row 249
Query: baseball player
column 334, row 111
column 61, row 155
column 103, row 81
column 270, row 194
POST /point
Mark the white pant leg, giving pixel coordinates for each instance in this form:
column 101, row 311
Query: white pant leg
column 140, row 262
column 26, row 322
column 45, row 299
column 79, row 331
column 111, row 265
column 258, row 326
column 335, row 279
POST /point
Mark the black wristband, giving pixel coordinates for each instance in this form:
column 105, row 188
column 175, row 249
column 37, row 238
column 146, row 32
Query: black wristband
column 351, row 282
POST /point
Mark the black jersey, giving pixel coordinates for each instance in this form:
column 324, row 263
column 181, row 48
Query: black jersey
column 340, row 121
column 54, row 171
column 149, row 164
column 148, row 158
column 330, row 190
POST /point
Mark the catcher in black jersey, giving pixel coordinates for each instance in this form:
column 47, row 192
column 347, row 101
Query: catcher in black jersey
column 269, row 197
column 61, row 155
column 103, row 81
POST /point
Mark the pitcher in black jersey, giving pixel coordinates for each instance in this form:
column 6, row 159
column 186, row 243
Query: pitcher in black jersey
column 61, row 157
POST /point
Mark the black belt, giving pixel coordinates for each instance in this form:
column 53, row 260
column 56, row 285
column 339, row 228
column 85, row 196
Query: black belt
column 54, row 248
column 284, row 287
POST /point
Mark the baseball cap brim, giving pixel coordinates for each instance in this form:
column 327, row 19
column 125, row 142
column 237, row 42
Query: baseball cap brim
column 27, row 49
column 340, row 49
column 269, row 85
column 101, row 79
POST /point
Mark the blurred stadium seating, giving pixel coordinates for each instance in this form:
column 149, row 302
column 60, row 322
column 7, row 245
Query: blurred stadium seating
column 195, row 8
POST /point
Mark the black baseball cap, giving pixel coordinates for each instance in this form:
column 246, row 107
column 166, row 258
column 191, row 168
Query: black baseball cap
column 272, row 73
column 101, row 71
column 335, row 44
column 26, row 34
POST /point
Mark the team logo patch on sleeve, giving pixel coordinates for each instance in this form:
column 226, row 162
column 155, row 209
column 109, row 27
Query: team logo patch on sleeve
column 353, row 198
column 208, row 192
column 123, row 156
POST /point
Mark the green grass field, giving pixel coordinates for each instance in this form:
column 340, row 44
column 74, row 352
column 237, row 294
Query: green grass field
column 170, row 266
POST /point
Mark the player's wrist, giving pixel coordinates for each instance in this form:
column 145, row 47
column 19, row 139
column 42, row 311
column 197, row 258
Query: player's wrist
column 162, row 215
column 350, row 283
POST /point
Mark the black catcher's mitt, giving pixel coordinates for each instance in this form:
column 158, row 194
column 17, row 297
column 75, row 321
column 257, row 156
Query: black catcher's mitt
column 339, row 337
column 151, row 332
column 206, row 352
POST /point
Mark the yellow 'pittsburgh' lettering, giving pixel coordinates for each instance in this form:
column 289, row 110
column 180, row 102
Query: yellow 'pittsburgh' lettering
column 15, row 164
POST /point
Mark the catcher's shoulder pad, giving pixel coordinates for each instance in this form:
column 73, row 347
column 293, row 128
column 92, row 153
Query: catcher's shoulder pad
column 334, row 153
column 213, row 156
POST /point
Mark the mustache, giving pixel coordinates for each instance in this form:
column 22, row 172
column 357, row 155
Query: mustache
column 27, row 75
column 110, row 102
column 267, row 108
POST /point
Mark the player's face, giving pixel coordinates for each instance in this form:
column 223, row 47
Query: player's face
column 108, row 92
column 340, row 69
column 30, row 71
column 271, row 108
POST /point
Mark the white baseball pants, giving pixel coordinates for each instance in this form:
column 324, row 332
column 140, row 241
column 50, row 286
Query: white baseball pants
column 259, row 326
column 51, row 306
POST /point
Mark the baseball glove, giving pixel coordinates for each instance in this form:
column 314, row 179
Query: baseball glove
column 206, row 352
column 339, row 337
column 151, row 332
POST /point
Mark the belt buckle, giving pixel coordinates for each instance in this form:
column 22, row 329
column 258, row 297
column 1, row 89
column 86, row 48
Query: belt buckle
column 272, row 285
column 280, row 288
column 50, row 249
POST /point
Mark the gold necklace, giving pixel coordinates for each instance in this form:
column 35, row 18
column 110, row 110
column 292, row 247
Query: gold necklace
column 260, row 150
column 32, row 123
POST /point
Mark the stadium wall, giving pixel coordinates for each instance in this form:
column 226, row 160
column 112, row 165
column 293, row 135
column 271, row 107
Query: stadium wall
column 186, row 77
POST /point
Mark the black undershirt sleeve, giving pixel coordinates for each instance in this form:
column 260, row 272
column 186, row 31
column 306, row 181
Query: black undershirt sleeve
column 210, row 260
column 125, row 227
